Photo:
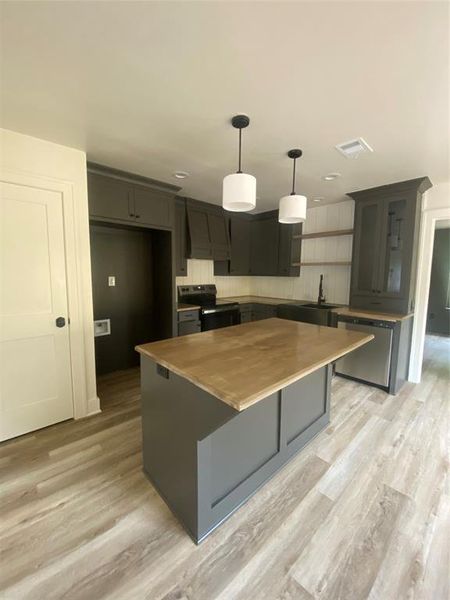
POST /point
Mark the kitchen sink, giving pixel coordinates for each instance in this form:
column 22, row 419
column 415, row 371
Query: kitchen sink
column 322, row 306
column 318, row 314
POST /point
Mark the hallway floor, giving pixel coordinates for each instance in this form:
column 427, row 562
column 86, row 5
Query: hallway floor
column 362, row 512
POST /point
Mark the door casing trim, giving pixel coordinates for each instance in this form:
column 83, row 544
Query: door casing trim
column 79, row 299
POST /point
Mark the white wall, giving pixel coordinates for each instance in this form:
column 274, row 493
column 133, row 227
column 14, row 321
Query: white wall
column 305, row 287
column 64, row 168
column 435, row 207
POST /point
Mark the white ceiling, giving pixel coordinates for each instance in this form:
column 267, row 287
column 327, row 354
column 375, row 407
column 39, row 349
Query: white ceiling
column 149, row 87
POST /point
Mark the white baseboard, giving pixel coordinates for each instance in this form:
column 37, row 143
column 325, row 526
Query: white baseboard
column 94, row 406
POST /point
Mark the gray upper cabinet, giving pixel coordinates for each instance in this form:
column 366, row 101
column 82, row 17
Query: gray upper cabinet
column 119, row 196
column 366, row 247
column 153, row 207
column 109, row 197
column 240, row 245
column 264, row 236
column 207, row 231
column 261, row 246
column 180, row 237
column 384, row 262
column 289, row 249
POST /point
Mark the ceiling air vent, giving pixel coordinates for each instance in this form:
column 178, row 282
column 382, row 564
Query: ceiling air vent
column 353, row 148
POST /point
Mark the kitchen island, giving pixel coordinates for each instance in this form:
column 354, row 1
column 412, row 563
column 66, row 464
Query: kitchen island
column 223, row 410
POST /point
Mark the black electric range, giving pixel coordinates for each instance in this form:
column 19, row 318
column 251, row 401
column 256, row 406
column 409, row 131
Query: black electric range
column 213, row 315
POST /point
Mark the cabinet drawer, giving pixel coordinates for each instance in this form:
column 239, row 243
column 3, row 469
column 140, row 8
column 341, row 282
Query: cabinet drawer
column 187, row 327
column 246, row 316
column 188, row 315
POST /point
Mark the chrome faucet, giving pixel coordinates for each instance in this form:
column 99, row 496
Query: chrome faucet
column 321, row 297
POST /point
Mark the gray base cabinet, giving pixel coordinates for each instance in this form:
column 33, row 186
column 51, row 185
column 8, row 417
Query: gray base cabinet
column 188, row 322
column 257, row 312
column 205, row 458
column 384, row 262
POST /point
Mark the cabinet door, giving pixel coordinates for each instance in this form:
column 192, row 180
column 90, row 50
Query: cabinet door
column 240, row 246
column 188, row 327
column 289, row 249
column 396, row 249
column 153, row 207
column 365, row 264
column 199, row 238
column 110, row 198
column 180, row 238
column 218, row 232
column 264, row 246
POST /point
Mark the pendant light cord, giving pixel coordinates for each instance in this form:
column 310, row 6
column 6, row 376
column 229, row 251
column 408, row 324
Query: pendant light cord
column 240, row 150
column 293, row 179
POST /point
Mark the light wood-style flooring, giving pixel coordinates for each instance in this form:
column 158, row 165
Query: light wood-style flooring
column 362, row 512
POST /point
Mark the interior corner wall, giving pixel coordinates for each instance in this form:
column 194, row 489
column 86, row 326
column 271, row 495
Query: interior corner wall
column 306, row 286
column 23, row 156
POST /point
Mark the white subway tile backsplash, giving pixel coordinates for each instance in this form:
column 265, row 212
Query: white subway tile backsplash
column 336, row 278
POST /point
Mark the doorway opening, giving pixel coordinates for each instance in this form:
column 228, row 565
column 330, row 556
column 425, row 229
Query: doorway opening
column 438, row 314
column 132, row 298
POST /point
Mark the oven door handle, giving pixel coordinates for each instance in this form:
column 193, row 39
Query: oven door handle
column 218, row 311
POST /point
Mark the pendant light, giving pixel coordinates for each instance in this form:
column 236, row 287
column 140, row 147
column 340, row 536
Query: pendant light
column 239, row 189
column 293, row 207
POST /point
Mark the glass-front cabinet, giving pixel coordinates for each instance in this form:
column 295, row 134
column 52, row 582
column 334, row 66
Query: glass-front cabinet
column 365, row 259
column 386, row 233
column 395, row 247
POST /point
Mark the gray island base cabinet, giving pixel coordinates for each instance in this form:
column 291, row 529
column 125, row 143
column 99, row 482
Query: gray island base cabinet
column 205, row 458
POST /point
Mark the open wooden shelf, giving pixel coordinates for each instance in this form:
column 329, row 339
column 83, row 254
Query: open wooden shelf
column 322, row 234
column 345, row 263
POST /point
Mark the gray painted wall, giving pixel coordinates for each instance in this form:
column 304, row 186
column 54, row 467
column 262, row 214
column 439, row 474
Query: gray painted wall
column 126, row 254
column 438, row 318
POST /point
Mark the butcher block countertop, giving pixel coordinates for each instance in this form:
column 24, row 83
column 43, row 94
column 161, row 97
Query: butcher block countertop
column 259, row 300
column 368, row 314
column 181, row 307
column 243, row 364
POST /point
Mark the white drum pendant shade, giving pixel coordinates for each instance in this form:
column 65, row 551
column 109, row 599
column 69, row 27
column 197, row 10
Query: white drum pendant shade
column 292, row 209
column 239, row 192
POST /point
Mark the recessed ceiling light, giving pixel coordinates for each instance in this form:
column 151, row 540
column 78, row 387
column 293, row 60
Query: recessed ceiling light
column 331, row 176
column 181, row 174
column 318, row 199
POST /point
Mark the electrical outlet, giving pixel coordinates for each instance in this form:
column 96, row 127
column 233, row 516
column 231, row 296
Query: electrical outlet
column 111, row 281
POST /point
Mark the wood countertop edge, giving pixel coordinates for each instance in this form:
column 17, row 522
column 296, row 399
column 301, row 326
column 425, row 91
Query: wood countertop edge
column 184, row 307
column 343, row 309
column 241, row 405
column 367, row 314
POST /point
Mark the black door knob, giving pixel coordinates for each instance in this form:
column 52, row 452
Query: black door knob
column 60, row 322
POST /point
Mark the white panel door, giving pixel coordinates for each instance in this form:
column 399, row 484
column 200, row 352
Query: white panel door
column 36, row 386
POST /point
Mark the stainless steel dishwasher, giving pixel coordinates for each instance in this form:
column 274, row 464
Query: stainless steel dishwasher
column 372, row 362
